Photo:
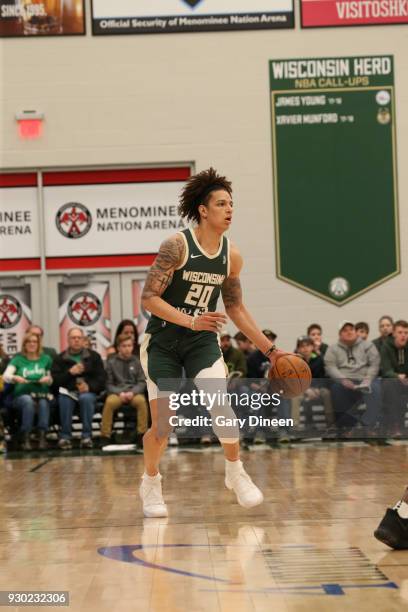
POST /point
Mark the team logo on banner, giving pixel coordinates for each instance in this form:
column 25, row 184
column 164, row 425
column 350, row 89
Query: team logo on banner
column 10, row 311
column 339, row 287
column 384, row 116
column 84, row 308
column 73, row 220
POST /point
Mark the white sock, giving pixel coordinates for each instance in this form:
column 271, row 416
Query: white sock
column 402, row 508
column 151, row 478
column 233, row 467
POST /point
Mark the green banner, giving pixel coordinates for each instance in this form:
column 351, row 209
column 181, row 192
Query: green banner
column 335, row 174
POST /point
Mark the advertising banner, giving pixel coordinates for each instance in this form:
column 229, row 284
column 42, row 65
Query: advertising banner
column 88, row 308
column 15, row 317
column 98, row 219
column 19, row 237
column 19, row 223
column 335, row 169
column 166, row 16
column 325, row 13
column 41, row 17
column 110, row 218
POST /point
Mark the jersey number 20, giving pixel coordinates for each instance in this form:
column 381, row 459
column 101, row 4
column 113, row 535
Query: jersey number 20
column 199, row 295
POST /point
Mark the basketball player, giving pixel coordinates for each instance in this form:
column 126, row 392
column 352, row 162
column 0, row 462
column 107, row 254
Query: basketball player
column 393, row 529
column 181, row 291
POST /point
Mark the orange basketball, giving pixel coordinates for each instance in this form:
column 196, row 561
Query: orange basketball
column 290, row 376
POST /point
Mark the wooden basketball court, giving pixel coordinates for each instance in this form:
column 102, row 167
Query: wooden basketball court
column 74, row 523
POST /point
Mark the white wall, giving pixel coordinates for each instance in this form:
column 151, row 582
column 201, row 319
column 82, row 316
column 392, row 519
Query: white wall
column 202, row 98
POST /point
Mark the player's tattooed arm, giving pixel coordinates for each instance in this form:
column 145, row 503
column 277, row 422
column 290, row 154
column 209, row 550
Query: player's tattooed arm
column 231, row 288
column 231, row 292
column 169, row 257
column 236, row 309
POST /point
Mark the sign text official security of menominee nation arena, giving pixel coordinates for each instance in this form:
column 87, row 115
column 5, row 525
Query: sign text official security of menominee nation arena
column 166, row 16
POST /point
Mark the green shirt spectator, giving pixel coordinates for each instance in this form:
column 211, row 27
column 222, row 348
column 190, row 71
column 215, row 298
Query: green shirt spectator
column 32, row 371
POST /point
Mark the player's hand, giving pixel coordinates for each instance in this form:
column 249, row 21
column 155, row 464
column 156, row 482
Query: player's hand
column 278, row 353
column 210, row 321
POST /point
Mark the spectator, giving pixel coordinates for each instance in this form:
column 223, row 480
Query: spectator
column 394, row 367
column 234, row 358
column 362, row 329
column 258, row 364
column 79, row 376
column 353, row 364
column 314, row 331
column 244, row 344
column 128, row 328
column 110, row 351
column 48, row 350
column 385, row 327
column 88, row 342
column 4, row 360
column 318, row 393
column 29, row 372
column 125, row 386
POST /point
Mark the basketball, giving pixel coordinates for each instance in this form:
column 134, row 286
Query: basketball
column 290, row 376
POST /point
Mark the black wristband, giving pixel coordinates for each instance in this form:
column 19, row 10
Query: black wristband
column 270, row 350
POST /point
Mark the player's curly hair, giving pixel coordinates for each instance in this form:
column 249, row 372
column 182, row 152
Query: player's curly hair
column 198, row 190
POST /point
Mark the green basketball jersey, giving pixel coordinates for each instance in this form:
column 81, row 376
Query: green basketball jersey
column 196, row 285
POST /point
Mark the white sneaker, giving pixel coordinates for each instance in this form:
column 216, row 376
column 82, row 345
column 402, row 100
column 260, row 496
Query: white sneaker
column 248, row 494
column 152, row 497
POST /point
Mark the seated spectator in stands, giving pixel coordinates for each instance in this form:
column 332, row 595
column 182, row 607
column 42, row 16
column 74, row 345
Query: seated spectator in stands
column 79, row 376
column 127, row 328
column 233, row 357
column 318, row 393
column 37, row 329
column 394, row 368
column 125, row 386
column 29, row 372
column 4, row 360
column 87, row 342
column 314, row 331
column 244, row 344
column 257, row 363
column 110, row 351
column 385, row 327
column 363, row 330
column 353, row 364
